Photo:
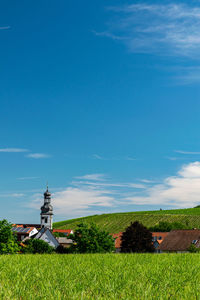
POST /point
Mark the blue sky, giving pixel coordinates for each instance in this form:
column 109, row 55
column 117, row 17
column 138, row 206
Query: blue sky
column 100, row 99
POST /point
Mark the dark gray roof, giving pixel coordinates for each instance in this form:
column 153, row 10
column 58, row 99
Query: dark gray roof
column 64, row 240
column 21, row 229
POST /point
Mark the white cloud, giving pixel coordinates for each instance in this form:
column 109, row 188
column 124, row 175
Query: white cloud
column 27, row 178
column 99, row 157
column 4, row 27
column 93, row 194
column 136, row 185
column 173, row 158
column 11, row 195
column 130, row 158
column 110, row 184
column 92, row 177
column 38, row 155
column 13, row 150
column 187, row 152
column 169, row 29
column 96, row 156
column 77, row 201
column 147, row 181
column 187, row 75
column 182, row 190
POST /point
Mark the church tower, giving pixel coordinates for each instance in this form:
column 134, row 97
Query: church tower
column 47, row 211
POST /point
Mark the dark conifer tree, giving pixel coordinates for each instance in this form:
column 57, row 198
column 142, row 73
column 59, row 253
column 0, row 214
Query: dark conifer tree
column 136, row 238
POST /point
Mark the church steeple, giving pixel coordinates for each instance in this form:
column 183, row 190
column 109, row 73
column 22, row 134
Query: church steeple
column 47, row 211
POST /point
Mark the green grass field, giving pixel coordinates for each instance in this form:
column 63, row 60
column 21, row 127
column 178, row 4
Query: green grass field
column 116, row 222
column 100, row 276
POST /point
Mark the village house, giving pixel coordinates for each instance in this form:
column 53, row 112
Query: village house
column 117, row 237
column 64, row 242
column 23, row 232
column 157, row 239
column 43, row 231
column 180, row 240
column 46, row 235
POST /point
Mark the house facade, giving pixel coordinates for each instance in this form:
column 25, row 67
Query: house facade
column 46, row 235
column 157, row 239
column 179, row 241
column 24, row 232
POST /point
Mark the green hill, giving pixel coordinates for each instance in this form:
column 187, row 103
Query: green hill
column 116, row 222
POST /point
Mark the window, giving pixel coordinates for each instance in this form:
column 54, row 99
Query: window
column 46, row 220
column 160, row 238
column 194, row 242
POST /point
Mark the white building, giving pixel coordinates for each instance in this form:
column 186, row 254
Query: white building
column 47, row 211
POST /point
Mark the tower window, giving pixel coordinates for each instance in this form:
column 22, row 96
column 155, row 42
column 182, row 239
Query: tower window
column 46, row 220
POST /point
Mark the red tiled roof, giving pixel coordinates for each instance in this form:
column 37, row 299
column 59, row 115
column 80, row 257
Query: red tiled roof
column 27, row 225
column 68, row 231
column 160, row 236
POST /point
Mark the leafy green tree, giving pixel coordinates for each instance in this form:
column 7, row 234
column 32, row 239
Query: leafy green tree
column 8, row 241
column 193, row 249
column 37, row 246
column 59, row 234
column 166, row 227
column 136, row 238
column 91, row 239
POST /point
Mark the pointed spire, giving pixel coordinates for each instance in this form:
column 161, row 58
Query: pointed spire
column 47, row 187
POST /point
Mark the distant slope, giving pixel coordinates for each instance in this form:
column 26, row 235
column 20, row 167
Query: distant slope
column 116, row 222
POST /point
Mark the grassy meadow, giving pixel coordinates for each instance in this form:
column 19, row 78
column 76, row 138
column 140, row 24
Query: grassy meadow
column 116, row 222
column 100, row 276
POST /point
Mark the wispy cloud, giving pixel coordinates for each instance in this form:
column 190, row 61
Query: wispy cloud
column 109, row 35
column 187, row 152
column 166, row 29
column 94, row 193
column 11, row 195
column 90, row 196
column 95, row 177
column 100, row 157
column 147, row 181
column 38, row 155
column 96, row 156
column 23, row 150
column 77, row 201
column 111, row 184
column 130, row 158
column 27, row 178
column 13, row 150
column 187, row 75
column 4, row 27
column 182, row 190
column 174, row 158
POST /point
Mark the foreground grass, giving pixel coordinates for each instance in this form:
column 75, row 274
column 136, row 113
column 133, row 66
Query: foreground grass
column 117, row 222
column 96, row 276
